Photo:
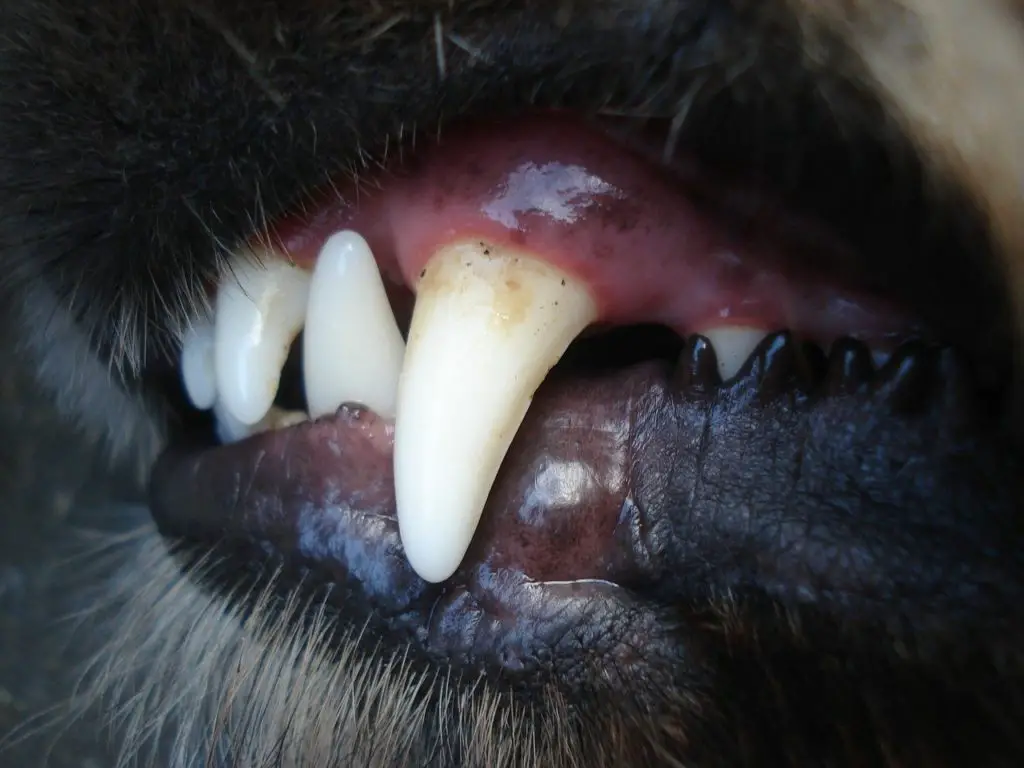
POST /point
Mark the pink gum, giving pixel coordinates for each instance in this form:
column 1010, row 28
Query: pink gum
column 571, row 196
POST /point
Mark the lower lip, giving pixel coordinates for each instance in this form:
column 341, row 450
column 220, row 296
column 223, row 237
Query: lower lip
column 562, row 535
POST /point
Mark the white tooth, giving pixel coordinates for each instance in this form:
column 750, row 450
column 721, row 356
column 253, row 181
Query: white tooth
column 488, row 325
column 197, row 369
column 260, row 309
column 733, row 345
column 352, row 348
column 231, row 430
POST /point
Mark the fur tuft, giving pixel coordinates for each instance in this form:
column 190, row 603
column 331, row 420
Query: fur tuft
column 182, row 675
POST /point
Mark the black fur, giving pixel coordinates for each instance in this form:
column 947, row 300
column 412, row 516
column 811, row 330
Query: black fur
column 141, row 141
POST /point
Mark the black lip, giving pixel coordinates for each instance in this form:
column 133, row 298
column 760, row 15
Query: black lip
column 319, row 497
column 826, row 485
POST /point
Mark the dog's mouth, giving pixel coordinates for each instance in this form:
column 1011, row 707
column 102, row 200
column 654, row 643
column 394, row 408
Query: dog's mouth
column 524, row 397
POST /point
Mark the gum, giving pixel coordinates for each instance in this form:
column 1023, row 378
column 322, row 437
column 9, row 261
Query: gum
column 569, row 195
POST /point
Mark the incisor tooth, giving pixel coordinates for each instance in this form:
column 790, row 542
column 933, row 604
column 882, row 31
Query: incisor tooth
column 352, row 348
column 197, row 368
column 260, row 310
column 488, row 325
column 733, row 345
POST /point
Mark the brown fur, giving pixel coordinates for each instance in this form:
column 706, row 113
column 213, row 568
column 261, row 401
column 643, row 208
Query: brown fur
column 950, row 72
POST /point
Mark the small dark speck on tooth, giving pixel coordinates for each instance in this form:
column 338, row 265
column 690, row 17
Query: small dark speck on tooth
column 423, row 273
column 563, row 282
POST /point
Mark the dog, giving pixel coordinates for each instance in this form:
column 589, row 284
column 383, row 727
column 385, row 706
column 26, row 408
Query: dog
column 811, row 558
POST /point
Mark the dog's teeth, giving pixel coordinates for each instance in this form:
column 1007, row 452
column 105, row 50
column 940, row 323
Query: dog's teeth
column 487, row 326
column 197, row 367
column 733, row 345
column 880, row 357
column 352, row 348
column 260, row 310
column 279, row 418
column 231, row 430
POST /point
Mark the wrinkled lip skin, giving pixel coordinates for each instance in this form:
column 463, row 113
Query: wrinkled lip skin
column 631, row 494
column 562, row 539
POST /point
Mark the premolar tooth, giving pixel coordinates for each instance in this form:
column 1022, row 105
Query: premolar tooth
column 197, row 366
column 260, row 310
column 733, row 345
column 352, row 348
column 231, row 430
column 487, row 326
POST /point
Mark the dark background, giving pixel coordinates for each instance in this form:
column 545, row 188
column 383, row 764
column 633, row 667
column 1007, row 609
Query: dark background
column 54, row 488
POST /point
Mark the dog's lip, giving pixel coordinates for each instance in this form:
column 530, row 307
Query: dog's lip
column 561, row 545
column 852, row 494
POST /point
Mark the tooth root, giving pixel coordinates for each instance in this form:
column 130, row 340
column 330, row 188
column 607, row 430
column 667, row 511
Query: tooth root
column 353, row 348
column 733, row 345
column 260, row 310
column 487, row 326
column 197, row 367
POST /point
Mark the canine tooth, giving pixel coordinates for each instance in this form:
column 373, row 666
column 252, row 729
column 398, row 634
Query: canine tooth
column 260, row 309
column 488, row 325
column 733, row 345
column 352, row 348
column 197, row 367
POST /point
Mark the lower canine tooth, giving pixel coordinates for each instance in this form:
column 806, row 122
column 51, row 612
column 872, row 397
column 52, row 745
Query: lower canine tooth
column 352, row 348
column 733, row 345
column 488, row 325
column 260, row 310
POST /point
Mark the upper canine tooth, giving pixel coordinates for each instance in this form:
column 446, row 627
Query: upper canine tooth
column 733, row 345
column 488, row 325
column 260, row 309
column 197, row 368
column 352, row 348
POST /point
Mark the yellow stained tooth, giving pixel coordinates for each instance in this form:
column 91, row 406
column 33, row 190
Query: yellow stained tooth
column 733, row 345
column 488, row 325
